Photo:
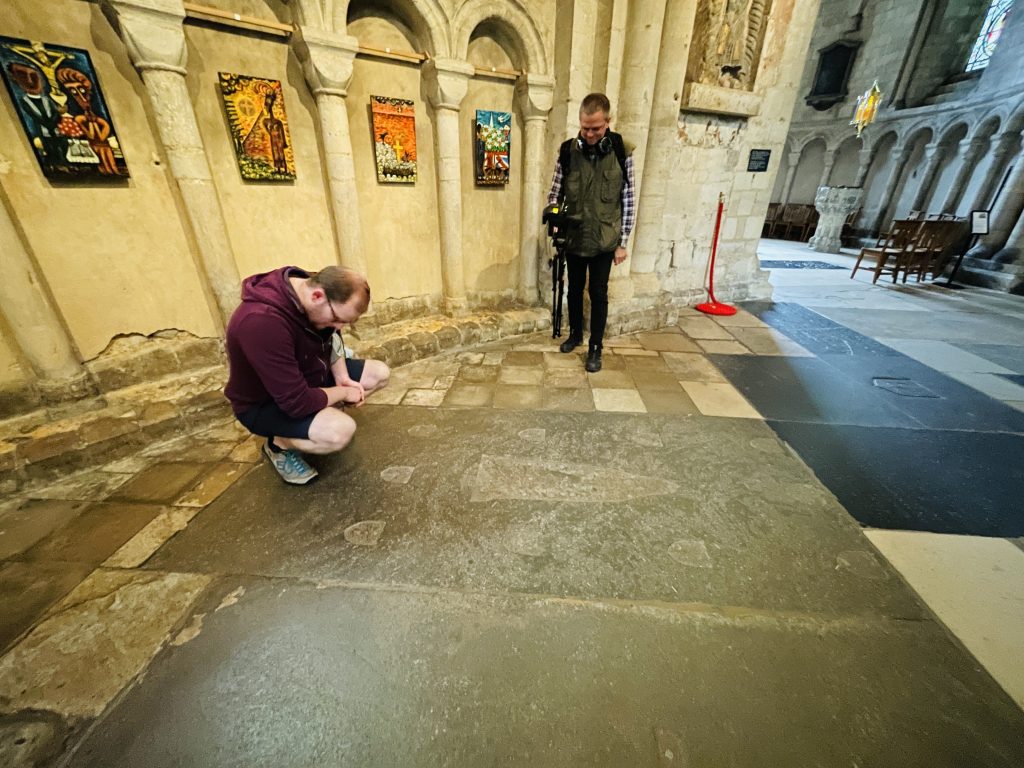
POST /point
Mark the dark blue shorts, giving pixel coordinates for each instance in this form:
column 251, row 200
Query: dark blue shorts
column 268, row 420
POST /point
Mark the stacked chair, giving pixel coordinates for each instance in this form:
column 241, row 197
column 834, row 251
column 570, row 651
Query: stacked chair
column 912, row 246
column 791, row 221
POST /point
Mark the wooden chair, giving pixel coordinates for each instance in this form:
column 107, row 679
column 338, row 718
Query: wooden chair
column 931, row 246
column 797, row 219
column 892, row 251
column 847, row 232
column 770, row 218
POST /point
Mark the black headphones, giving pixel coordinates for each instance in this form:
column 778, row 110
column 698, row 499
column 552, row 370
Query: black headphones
column 603, row 147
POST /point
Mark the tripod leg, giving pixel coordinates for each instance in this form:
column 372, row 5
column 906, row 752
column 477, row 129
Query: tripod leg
column 561, row 284
column 556, row 313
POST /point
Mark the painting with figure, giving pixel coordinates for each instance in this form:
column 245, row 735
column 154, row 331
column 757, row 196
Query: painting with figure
column 58, row 100
column 259, row 127
column 394, row 139
column 492, row 143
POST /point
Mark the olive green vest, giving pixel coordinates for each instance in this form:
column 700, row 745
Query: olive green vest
column 593, row 189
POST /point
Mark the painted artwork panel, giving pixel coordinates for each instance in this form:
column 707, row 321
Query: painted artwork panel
column 58, row 99
column 394, row 139
column 492, row 144
column 259, row 127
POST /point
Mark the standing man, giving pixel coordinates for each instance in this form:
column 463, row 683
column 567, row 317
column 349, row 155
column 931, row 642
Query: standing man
column 288, row 363
column 594, row 180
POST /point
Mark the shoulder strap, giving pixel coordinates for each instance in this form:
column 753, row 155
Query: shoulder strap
column 563, row 156
column 620, row 149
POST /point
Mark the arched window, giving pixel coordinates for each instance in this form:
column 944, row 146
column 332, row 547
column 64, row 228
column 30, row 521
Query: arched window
column 995, row 21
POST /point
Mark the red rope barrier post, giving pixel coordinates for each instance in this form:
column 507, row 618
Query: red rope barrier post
column 713, row 306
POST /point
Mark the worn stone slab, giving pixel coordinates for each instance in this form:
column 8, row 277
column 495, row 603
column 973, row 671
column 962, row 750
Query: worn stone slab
column 424, row 397
column 161, row 482
column 520, row 357
column 701, row 328
column 212, row 485
column 27, row 590
column 668, row 401
column 667, row 342
column 25, row 523
column 478, row 374
column 719, row 399
column 469, row 395
column 609, row 379
column 716, row 347
column 95, row 534
column 516, row 397
column 618, row 400
column 552, row 684
column 774, row 532
column 768, row 341
column 95, row 642
column 521, row 375
column 556, row 398
column 140, row 547
column 692, row 367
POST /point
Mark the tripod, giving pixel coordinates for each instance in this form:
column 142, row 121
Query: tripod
column 557, row 264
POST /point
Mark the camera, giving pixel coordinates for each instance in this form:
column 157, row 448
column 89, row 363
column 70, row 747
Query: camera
column 563, row 224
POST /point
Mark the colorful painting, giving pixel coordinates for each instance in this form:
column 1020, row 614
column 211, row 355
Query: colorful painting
column 493, row 139
column 394, row 139
column 259, row 127
column 57, row 97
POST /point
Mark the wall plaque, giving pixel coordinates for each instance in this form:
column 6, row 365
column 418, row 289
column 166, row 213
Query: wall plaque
column 758, row 160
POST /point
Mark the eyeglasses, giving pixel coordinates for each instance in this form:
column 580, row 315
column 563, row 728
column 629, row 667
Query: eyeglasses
column 334, row 315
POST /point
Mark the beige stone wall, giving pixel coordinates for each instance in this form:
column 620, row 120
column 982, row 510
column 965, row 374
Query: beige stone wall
column 490, row 215
column 269, row 223
column 399, row 221
column 11, row 372
column 115, row 256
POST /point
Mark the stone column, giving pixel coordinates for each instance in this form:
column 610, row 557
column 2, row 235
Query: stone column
column 639, row 74
column 970, row 152
column 934, row 155
column 826, row 172
column 534, row 94
column 327, row 59
column 866, row 155
column 447, row 81
column 153, row 34
column 327, row 64
column 581, row 61
column 34, row 322
column 1005, row 214
column 787, row 186
column 1005, row 145
column 901, row 156
column 1013, row 251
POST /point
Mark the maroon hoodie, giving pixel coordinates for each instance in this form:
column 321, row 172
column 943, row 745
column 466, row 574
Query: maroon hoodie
column 273, row 350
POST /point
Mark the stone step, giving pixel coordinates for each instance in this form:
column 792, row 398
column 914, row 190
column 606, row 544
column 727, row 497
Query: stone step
column 47, row 444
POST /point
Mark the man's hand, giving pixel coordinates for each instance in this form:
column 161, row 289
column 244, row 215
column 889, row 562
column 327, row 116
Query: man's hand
column 621, row 254
column 353, row 393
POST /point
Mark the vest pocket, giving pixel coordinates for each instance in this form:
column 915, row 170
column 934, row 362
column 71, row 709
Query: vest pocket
column 611, row 186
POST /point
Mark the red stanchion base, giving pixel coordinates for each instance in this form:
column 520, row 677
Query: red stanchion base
column 715, row 308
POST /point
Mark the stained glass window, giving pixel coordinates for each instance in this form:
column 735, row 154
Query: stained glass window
column 995, row 21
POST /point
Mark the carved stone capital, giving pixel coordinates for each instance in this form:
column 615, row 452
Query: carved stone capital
column 447, row 81
column 534, row 96
column 327, row 59
column 1006, row 143
column 972, row 149
column 152, row 32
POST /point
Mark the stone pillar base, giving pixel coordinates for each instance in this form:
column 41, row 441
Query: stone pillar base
column 75, row 387
column 456, row 307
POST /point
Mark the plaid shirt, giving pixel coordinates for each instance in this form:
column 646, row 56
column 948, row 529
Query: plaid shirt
column 628, row 200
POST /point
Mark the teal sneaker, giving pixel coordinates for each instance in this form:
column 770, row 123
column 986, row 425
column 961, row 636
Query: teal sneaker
column 290, row 466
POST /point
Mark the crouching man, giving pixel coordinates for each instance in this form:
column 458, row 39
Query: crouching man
column 288, row 366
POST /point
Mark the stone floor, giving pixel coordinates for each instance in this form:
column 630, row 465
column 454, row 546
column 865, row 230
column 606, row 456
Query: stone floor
column 785, row 537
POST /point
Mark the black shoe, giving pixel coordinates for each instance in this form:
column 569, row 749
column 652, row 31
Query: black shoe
column 570, row 343
column 594, row 360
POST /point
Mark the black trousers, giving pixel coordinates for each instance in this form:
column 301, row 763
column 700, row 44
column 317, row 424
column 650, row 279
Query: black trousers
column 600, row 267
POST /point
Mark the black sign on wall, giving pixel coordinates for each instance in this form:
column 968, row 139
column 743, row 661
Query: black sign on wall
column 758, row 161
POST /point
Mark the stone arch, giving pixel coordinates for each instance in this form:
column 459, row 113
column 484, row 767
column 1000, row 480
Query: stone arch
column 802, row 144
column 878, row 175
column 423, row 22
column 987, row 126
column 808, row 170
column 1015, row 123
column 952, row 133
column 917, row 139
column 847, row 161
column 509, row 24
